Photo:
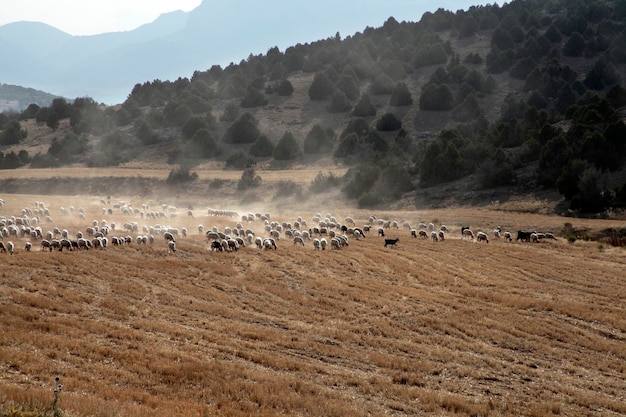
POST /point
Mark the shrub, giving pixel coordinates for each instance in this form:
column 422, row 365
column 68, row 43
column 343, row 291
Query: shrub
column 287, row 148
column 323, row 182
column 364, row 107
column 262, row 147
column 437, row 97
column 319, row 140
column 321, row 87
column 253, row 98
column 284, row 88
column 388, row 122
column 239, row 160
column 287, row 189
column 249, row 179
column 401, row 96
column 180, row 175
column 243, row 130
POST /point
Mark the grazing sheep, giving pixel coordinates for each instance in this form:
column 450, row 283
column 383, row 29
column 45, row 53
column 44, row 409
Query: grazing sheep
column 169, row 236
column 258, row 241
column 46, row 244
column 28, row 246
column 482, row 237
column 507, row 236
column 298, row 240
column 323, row 243
column 335, row 243
column 414, row 233
column 381, row 232
column 434, row 236
column 392, row 242
column 467, row 232
column 550, row 236
column 442, row 235
column 269, row 243
column 444, row 228
column 171, row 246
column 422, row 234
column 316, row 244
column 10, row 247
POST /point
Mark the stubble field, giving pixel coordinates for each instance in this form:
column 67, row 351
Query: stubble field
column 454, row 327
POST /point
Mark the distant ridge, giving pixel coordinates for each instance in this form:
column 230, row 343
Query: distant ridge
column 16, row 98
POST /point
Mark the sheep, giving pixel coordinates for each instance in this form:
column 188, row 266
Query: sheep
column 169, row 236
column 467, row 232
column 216, row 246
column 171, row 246
column 28, row 246
column 550, row 236
column 482, row 237
column 507, row 236
column 258, row 241
column 46, row 244
column 422, row 234
column 298, row 240
column 269, row 243
column 3, row 247
column 442, row 235
column 381, row 232
column 335, row 243
column 414, row 233
column 232, row 245
column 434, row 236
column 323, row 243
column 316, row 244
column 444, row 228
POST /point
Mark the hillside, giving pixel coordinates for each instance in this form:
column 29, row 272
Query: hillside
column 487, row 104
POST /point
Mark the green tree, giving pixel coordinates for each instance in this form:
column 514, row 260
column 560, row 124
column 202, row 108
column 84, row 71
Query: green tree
column 192, row 125
column 284, row 88
column 437, row 97
column 12, row 133
column 262, row 147
column 383, row 84
column 253, row 98
column 319, row 140
column 249, row 179
column 364, row 108
column 321, row 87
column 388, row 122
column 401, row 96
column 339, row 103
column 242, row 130
column 202, row 145
column 287, row 148
column 145, row 133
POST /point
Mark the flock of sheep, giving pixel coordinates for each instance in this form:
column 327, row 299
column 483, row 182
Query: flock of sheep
column 34, row 226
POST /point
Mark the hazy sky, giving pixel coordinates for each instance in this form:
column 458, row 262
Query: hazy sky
column 89, row 17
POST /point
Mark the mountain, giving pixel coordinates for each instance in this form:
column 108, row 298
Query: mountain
column 16, row 98
column 107, row 66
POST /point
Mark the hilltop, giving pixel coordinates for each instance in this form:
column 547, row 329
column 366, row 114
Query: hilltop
column 479, row 105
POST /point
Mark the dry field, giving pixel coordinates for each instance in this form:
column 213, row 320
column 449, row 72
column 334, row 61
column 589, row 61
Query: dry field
column 443, row 328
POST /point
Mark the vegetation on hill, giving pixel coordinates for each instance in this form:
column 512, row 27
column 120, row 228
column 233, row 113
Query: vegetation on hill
column 527, row 85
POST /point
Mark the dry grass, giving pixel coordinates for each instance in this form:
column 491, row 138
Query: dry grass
column 446, row 328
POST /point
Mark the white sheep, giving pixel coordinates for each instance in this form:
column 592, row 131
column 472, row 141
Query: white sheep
column 10, row 247
column 171, row 246
column 468, row 233
column 316, row 244
column 323, row 243
column 482, row 237
column 297, row 240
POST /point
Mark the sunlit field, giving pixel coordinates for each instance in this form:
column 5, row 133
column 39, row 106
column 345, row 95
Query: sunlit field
column 453, row 327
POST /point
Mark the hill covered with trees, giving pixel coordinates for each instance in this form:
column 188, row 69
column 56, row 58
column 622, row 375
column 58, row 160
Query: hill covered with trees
column 526, row 96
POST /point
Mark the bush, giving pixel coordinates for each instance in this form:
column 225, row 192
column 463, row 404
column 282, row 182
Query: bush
column 253, row 98
column 319, row 140
column 383, row 84
column 388, row 122
column 321, row 87
column 437, row 97
column 285, row 88
column 339, row 103
column 287, row 189
column 249, row 179
column 239, row 160
column 287, row 148
column 243, row 130
column 180, row 175
column 262, row 147
column 323, row 182
column 401, row 96
column 364, row 107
